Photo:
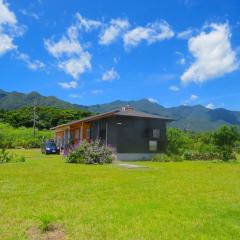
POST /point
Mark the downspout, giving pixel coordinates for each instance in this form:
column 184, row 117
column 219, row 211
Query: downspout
column 81, row 136
column 69, row 135
column 106, row 133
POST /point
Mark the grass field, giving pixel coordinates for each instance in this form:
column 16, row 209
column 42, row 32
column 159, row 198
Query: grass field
column 183, row 200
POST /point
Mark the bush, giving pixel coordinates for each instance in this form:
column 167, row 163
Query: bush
column 6, row 157
column 91, row 153
column 220, row 144
column 227, row 154
column 178, row 141
column 191, row 155
column 162, row 157
column 46, row 222
column 21, row 137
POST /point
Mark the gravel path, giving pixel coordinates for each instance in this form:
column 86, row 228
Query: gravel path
column 130, row 166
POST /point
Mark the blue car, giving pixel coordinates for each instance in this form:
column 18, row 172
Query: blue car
column 50, row 148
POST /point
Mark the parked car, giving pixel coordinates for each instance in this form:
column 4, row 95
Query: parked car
column 50, row 148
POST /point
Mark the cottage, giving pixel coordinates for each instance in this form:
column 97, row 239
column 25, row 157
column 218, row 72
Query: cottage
column 134, row 135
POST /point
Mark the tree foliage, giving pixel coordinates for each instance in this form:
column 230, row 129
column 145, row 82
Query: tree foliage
column 225, row 139
column 178, row 140
column 221, row 144
column 11, row 137
column 226, row 136
column 46, row 117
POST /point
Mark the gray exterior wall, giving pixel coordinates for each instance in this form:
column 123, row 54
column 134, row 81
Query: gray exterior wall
column 130, row 134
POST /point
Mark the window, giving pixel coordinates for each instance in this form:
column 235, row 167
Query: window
column 153, row 146
column 102, row 134
column 156, row 133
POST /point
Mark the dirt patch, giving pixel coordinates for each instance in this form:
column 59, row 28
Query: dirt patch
column 34, row 233
column 55, row 232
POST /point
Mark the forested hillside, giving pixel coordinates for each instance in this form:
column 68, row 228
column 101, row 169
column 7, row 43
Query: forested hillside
column 53, row 111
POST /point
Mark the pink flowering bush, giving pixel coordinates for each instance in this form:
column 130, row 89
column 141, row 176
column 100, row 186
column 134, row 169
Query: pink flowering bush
column 91, row 153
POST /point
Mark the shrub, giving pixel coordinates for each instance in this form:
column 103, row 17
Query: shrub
column 178, row 141
column 193, row 155
column 162, row 157
column 227, row 154
column 91, row 153
column 46, row 222
column 21, row 137
column 220, row 144
column 225, row 139
column 6, row 157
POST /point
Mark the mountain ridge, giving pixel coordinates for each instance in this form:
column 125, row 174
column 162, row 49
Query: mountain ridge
column 196, row 118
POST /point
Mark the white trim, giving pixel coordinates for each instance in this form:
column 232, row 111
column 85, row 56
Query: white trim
column 134, row 156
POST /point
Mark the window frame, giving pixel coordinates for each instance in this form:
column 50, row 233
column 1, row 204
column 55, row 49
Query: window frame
column 153, row 145
column 156, row 133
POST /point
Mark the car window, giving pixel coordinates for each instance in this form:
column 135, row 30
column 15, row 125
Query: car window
column 51, row 145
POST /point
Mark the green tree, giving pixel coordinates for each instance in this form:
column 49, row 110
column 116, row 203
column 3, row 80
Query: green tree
column 46, row 117
column 225, row 139
column 178, row 141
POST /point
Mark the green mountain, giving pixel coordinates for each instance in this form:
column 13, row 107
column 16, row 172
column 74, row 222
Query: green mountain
column 15, row 100
column 196, row 118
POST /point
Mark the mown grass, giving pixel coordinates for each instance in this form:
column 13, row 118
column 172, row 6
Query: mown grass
column 183, row 200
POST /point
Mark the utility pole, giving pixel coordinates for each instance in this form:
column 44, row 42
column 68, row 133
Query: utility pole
column 34, row 117
column 34, row 120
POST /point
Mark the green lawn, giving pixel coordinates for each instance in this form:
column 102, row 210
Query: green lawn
column 183, row 200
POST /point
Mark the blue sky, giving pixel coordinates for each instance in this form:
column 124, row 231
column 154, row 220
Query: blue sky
column 90, row 52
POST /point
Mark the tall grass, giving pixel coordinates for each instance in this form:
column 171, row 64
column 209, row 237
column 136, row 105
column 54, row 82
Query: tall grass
column 21, row 137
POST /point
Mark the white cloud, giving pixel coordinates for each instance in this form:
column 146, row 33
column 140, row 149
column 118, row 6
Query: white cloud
column 185, row 34
column 210, row 106
column 153, row 32
column 181, row 61
column 6, row 43
column 213, row 54
column 116, row 60
column 71, row 56
column 174, row 88
column 29, row 14
column 68, row 85
column 87, row 24
column 152, row 100
column 76, row 66
column 63, row 47
column 8, row 28
column 113, row 31
column 193, row 97
column 110, row 75
column 97, row 91
column 32, row 64
column 6, row 16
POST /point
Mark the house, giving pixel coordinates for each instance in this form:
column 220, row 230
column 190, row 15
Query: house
column 134, row 135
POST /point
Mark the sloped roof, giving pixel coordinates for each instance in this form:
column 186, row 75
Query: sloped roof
column 117, row 112
column 133, row 113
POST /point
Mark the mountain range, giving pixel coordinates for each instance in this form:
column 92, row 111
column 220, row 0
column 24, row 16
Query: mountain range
column 196, row 118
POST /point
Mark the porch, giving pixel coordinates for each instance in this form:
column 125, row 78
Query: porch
column 72, row 134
